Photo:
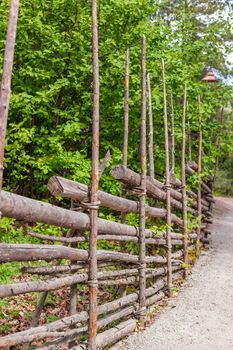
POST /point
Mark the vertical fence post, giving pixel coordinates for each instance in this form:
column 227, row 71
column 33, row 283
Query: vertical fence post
column 142, row 196
column 5, row 90
column 172, row 134
column 183, row 182
column 126, row 125
column 218, row 148
column 199, row 209
column 126, row 110
column 189, row 142
column 151, row 129
column 125, row 143
column 168, row 188
column 93, row 282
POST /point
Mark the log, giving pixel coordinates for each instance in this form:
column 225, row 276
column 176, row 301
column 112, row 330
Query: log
column 132, row 180
column 157, row 240
column 59, row 186
column 210, row 198
column 167, row 185
column 51, row 270
column 30, row 210
column 33, row 252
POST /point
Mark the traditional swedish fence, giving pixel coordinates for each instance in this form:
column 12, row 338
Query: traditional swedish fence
column 151, row 272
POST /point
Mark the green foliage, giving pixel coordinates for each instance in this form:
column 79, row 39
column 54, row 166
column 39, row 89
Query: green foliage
column 51, row 106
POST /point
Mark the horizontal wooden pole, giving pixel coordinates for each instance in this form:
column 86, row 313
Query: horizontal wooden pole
column 31, row 210
column 154, row 188
column 33, row 252
column 59, row 186
column 156, row 240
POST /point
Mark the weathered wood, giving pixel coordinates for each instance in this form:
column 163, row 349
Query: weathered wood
column 56, row 269
column 33, row 252
column 104, row 164
column 93, row 282
column 66, row 322
column 67, row 240
column 30, row 210
column 126, row 110
column 132, row 180
column 142, row 194
column 210, row 199
column 167, row 186
column 5, row 89
column 189, row 142
column 59, row 186
column 199, row 194
column 172, row 135
column 105, row 277
column 151, row 130
column 74, row 334
column 112, row 335
column 183, row 177
column 40, row 304
column 126, row 133
column 158, row 240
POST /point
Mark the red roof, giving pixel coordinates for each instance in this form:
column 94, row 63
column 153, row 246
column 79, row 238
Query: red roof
column 210, row 77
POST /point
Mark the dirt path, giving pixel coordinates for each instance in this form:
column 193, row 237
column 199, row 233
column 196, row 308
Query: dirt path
column 201, row 317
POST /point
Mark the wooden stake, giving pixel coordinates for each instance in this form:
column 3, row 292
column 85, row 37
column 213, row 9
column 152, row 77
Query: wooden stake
column 142, row 196
column 5, row 90
column 199, row 209
column 126, row 134
column 189, row 140
column 168, row 188
column 183, row 180
column 126, row 110
column 172, row 134
column 151, row 129
column 93, row 282
column 218, row 149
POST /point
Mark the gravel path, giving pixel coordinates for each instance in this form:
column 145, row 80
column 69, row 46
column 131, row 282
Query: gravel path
column 201, row 317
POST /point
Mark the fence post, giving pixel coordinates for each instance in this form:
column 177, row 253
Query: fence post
column 142, row 196
column 151, row 130
column 183, row 182
column 199, row 204
column 167, row 187
column 172, row 134
column 94, row 204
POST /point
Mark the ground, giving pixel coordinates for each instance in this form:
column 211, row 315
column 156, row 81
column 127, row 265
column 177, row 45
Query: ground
column 201, row 317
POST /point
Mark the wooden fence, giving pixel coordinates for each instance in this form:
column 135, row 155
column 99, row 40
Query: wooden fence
column 156, row 260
